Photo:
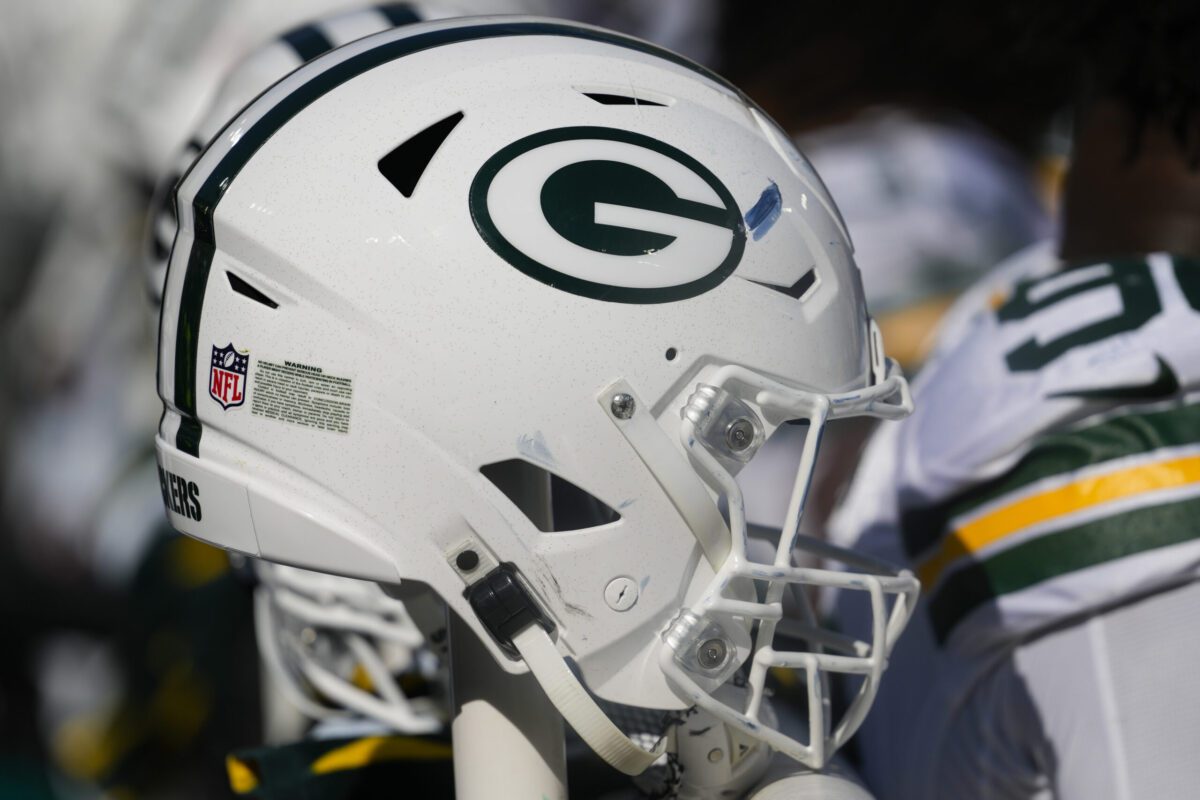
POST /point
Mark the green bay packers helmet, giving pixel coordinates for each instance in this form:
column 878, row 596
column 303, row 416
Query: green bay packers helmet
column 502, row 305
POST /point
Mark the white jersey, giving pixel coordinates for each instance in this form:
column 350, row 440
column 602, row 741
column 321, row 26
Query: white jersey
column 1052, row 464
column 1046, row 485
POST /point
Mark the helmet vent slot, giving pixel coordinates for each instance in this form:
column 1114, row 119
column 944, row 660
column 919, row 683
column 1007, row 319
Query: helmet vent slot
column 552, row 503
column 246, row 290
column 405, row 165
column 610, row 99
column 798, row 290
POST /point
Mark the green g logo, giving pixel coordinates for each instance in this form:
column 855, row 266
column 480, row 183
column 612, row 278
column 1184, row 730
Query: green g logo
column 608, row 214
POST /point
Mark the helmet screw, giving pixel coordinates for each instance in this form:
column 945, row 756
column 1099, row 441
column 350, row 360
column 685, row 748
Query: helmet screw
column 623, row 405
column 621, row 593
column 712, row 654
column 740, row 434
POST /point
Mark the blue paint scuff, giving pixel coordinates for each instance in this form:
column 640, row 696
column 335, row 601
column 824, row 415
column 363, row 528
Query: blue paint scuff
column 762, row 216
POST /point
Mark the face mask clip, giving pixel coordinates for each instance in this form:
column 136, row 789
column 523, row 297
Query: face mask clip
column 726, row 425
column 708, row 651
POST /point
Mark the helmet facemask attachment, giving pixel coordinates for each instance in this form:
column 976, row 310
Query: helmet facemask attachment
column 735, row 620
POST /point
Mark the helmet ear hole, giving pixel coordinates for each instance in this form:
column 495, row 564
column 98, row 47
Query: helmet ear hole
column 551, row 502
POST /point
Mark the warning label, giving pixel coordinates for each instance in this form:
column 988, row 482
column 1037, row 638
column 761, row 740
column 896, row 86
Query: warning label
column 301, row 394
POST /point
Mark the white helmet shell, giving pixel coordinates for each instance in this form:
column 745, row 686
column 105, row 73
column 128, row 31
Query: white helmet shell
column 452, row 246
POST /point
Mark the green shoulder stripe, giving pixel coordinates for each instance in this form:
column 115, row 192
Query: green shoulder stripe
column 922, row 528
column 1058, row 553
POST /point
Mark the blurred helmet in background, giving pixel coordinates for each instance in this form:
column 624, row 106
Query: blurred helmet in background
column 332, row 646
column 932, row 205
column 238, row 85
column 165, row 77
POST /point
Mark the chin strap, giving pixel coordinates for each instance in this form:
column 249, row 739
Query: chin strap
column 577, row 706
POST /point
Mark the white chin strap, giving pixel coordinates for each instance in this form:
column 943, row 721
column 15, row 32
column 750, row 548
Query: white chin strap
column 577, row 706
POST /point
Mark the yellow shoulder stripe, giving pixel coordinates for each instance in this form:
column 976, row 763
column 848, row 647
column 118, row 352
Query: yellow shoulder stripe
column 1019, row 515
column 374, row 749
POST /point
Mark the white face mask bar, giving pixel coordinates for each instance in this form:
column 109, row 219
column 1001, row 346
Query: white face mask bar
column 292, row 604
column 709, row 642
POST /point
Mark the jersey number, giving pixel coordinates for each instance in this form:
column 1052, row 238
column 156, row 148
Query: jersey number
column 1139, row 303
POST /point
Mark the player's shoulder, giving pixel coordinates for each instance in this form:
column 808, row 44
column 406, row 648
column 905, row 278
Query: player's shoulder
column 936, row 450
column 1052, row 463
column 1056, row 438
column 1040, row 345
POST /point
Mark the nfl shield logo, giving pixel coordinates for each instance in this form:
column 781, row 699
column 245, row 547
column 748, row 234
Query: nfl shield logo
column 227, row 378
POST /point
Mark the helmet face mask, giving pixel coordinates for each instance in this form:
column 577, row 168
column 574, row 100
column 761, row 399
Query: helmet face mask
column 711, row 640
column 552, row 253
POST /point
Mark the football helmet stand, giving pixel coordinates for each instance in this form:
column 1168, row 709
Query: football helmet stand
column 508, row 737
column 509, row 744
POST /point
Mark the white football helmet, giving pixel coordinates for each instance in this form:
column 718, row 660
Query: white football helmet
column 443, row 259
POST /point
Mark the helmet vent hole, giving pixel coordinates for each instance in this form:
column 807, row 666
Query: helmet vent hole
column 672, row 354
column 405, row 165
column 798, row 290
column 552, row 503
column 246, row 290
column 801, row 287
column 610, row 99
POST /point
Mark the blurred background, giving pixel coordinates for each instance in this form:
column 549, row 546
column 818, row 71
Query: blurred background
column 130, row 665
